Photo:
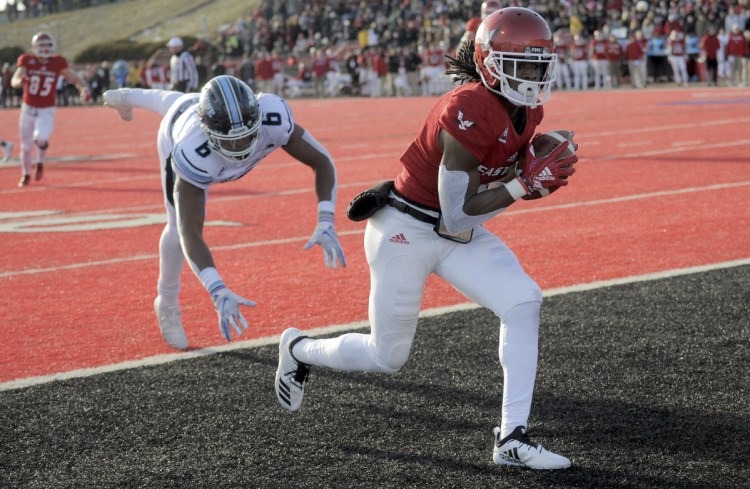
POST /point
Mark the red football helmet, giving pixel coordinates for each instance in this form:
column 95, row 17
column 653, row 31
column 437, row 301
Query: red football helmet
column 43, row 45
column 510, row 42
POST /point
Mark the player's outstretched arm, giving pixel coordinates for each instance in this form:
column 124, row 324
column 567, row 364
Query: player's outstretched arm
column 190, row 205
column 305, row 148
column 76, row 80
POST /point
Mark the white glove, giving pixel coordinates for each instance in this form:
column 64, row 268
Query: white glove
column 227, row 307
column 325, row 235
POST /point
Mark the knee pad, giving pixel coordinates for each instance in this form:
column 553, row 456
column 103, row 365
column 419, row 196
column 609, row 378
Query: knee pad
column 393, row 363
column 42, row 144
column 391, row 360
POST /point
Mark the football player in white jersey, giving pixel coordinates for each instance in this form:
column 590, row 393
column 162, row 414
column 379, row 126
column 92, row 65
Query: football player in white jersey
column 213, row 137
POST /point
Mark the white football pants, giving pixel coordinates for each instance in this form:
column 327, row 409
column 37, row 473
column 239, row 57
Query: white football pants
column 563, row 75
column 601, row 73
column 35, row 126
column 581, row 75
column 679, row 69
column 402, row 252
column 171, row 257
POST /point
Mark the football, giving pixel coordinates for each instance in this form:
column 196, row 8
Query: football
column 543, row 145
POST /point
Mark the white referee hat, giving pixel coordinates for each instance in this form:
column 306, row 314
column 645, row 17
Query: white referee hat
column 174, row 42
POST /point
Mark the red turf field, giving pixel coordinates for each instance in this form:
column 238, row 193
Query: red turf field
column 662, row 183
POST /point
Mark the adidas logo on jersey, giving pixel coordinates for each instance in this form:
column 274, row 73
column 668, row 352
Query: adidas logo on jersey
column 399, row 238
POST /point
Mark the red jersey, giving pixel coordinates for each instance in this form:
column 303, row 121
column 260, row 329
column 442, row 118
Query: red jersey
column 561, row 49
column 580, row 52
column 41, row 79
column 263, row 69
column 710, row 45
column 599, row 48
column 633, row 51
column 321, row 66
column 614, row 51
column 434, row 57
column 477, row 119
column 473, row 24
column 736, row 45
column 676, row 47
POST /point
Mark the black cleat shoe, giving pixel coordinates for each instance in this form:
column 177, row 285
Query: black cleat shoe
column 25, row 180
column 39, row 171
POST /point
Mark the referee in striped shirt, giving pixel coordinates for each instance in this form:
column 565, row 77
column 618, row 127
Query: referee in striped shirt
column 183, row 73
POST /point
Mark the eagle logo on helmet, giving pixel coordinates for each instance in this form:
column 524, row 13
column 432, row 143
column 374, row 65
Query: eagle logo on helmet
column 230, row 116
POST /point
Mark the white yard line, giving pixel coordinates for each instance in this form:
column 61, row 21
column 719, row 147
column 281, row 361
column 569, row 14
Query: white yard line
column 276, row 242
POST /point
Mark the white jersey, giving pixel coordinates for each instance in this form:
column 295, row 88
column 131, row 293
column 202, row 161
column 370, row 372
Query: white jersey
column 192, row 156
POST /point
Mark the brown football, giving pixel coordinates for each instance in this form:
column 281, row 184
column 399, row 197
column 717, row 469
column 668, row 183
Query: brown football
column 543, row 145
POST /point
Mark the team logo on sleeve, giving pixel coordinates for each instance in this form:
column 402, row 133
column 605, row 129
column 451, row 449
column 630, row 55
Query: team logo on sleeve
column 463, row 124
column 504, row 136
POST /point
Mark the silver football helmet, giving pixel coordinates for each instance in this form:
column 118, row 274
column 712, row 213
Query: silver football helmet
column 230, row 116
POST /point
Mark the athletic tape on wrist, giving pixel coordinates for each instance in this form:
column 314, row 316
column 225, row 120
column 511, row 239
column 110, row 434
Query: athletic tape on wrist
column 516, row 189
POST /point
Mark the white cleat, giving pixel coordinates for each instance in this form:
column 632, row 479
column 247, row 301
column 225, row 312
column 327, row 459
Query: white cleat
column 518, row 450
column 117, row 99
column 170, row 325
column 291, row 374
column 7, row 150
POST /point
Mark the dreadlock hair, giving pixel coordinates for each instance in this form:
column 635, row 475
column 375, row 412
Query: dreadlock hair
column 462, row 67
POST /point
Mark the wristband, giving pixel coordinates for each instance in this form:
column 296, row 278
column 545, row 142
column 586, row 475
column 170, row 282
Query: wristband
column 326, row 206
column 210, row 279
column 325, row 211
column 517, row 188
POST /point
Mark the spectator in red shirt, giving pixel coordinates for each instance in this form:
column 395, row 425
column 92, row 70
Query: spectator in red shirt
column 736, row 50
column 264, row 74
column 710, row 46
column 580, row 55
column 473, row 23
column 614, row 53
column 320, row 67
column 278, row 65
column 676, row 50
column 635, row 57
column 600, row 60
column 380, row 66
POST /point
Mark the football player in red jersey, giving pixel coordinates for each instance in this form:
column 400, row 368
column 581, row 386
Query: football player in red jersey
column 473, row 23
column 37, row 73
column 470, row 161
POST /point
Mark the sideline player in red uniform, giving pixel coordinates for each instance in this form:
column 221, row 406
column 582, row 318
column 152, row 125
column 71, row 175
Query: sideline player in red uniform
column 473, row 23
column 471, row 160
column 37, row 73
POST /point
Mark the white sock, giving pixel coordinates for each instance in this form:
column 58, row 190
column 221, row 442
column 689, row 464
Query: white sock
column 519, row 351
column 348, row 352
column 158, row 101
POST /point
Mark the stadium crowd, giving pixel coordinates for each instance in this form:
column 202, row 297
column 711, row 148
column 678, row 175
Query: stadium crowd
column 29, row 9
column 397, row 47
